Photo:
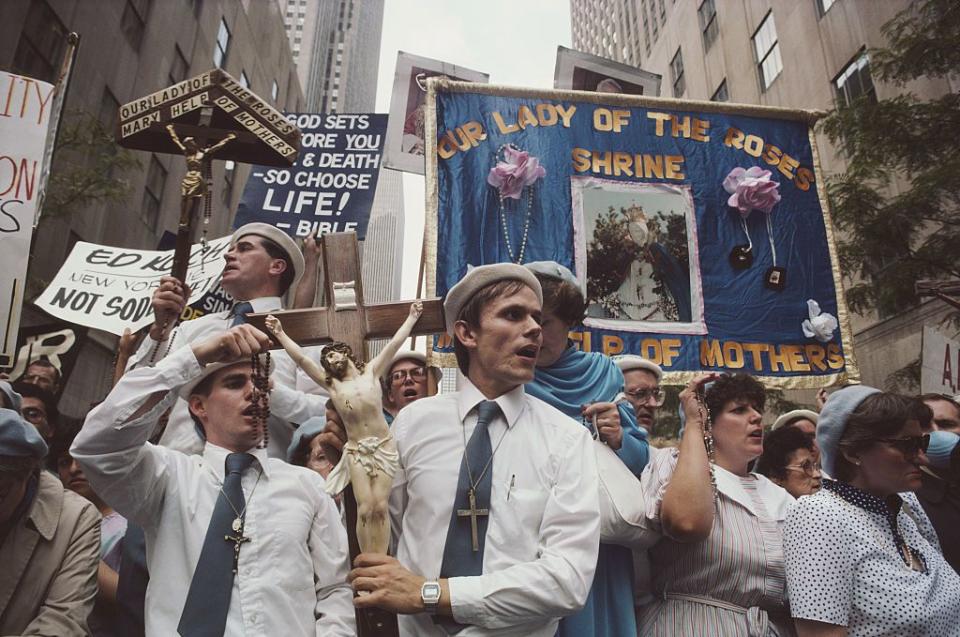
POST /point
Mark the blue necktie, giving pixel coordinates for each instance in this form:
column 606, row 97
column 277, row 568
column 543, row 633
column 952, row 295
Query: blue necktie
column 240, row 311
column 208, row 600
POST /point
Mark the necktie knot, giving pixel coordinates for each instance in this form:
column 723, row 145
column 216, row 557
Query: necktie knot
column 240, row 311
column 486, row 412
column 238, row 462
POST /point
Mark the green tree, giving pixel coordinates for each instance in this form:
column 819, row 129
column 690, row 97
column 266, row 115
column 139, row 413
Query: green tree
column 888, row 241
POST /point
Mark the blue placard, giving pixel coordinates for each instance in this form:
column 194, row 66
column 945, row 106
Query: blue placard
column 637, row 201
column 330, row 188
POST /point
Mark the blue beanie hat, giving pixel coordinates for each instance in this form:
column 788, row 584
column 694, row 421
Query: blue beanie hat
column 833, row 421
column 942, row 444
column 18, row 438
column 310, row 429
column 12, row 397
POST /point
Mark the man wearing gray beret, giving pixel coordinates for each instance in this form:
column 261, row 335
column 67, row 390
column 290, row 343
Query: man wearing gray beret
column 49, row 541
column 261, row 264
column 495, row 503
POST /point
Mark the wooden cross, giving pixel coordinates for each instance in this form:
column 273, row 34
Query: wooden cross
column 346, row 318
column 237, row 540
column 473, row 513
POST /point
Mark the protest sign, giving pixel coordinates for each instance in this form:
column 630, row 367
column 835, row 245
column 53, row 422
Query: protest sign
column 110, row 288
column 578, row 71
column 940, row 363
column 700, row 232
column 215, row 299
column 331, row 186
column 57, row 342
column 24, row 119
column 405, row 133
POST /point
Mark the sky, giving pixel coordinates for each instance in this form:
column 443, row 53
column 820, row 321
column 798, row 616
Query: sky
column 514, row 41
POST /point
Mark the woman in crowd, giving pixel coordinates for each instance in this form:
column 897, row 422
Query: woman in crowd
column 718, row 567
column 790, row 459
column 583, row 386
column 862, row 556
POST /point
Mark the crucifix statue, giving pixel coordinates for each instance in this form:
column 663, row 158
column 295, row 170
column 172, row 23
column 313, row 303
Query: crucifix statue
column 348, row 320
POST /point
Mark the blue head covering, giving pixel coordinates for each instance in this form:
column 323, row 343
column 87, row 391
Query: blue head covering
column 942, row 444
column 12, row 397
column 833, row 421
column 310, row 429
column 18, row 438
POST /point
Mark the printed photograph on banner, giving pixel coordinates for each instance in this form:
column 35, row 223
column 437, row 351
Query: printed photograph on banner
column 579, row 71
column 405, row 143
column 636, row 246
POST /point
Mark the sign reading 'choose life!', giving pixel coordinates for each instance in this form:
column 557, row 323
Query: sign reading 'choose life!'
column 332, row 184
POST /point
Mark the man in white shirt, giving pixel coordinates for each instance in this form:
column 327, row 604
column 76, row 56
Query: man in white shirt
column 498, row 535
column 279, row 528
column 261, row 264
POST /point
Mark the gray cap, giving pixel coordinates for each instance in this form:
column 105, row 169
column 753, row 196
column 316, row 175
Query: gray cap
column 412, row 355
column 13, row 398
column 630, row 362
column 833, row 421
column 553, row 270
column 310, row 429
column 796, row 414
column 480, row 277
column 18, row 438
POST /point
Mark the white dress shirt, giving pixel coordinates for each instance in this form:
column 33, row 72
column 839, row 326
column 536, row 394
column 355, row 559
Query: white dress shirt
column 294, row 398
column 291, row 576
column 543, row 532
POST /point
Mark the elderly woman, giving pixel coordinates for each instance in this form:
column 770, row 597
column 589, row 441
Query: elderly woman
column 718, row 566
column 583, row 386
column 791, row 459
column 862, row 556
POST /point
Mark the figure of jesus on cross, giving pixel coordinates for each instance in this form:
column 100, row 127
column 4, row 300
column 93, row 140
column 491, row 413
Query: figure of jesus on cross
column 370, row 455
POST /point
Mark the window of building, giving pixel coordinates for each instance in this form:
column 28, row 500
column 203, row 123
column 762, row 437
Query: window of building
column 824, row 5
column 153, row 192
column 721, row 95
column 109, row 110
column 854, row 81
column 708, row 22
column 223, row 45
column 676, row 71
column 134, row 21
column 42, row 42
column 274, row 91
column 767, row 50
column 244, row 81
column 229, row 172
column 179, row 66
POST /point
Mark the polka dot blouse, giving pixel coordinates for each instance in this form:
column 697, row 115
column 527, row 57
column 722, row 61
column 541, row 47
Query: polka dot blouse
column 846, row 557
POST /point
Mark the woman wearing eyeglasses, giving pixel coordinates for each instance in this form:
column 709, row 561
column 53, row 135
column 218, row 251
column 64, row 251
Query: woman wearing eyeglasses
column 791, row 460
column 584, row 385
column 718, row 566
column 862, row 556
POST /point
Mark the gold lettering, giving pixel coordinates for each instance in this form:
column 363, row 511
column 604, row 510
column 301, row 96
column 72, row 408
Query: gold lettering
column 650, row 349
column 755, row 349
column 612, row 345
column 581, row 159
column 699, row 131
column 653, row 166
column 671, row 349
column 659, row 118
column 546, row 114
column 673, row 165
column 565, row 113
column 778, row 359
column 834, row 357
column 525, row 117
column 733, row 354
column 621, row 163
column 734, row 138
column 710, row 354
column 505, row 128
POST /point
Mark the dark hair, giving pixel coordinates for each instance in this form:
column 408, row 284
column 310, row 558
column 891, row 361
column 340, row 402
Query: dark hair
column 344, row 349
column 276, row 252
column 43, row 362
column 20, row 467
column 471, row 310
column 62, row 439
column 734, row 387
column 778, row 446
column 880, row 415
column 29, row 390
column 563, row 299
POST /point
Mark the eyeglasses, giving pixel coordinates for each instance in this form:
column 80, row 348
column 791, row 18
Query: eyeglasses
column 417, row 374
column 644, row 395
column 33, row 414
column 910, row 446
column 810, row 468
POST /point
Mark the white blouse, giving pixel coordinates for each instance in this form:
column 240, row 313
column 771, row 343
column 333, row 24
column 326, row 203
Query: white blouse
column 845, row 566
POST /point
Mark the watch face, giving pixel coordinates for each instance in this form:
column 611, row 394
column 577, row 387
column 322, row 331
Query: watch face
column 430, row 591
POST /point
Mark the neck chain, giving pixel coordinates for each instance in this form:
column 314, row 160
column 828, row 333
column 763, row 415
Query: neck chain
column 911, row 561
column 707, row 419
column 239, row 521
column 466, row 458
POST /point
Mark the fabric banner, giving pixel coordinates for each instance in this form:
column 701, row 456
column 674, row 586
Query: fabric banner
column 331, row 186
column 940, row 363
column 110, row 288
column 700, row 232
column 24, row 120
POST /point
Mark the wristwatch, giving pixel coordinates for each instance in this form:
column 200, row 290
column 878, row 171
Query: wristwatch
column 430, row 595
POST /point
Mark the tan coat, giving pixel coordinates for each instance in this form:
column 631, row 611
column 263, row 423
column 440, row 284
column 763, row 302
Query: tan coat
column 48, row 565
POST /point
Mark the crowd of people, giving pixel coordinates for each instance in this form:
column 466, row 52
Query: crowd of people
column 180, row 507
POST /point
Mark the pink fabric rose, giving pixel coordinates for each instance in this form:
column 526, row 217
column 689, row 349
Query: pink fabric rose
column 518, row 170
column 751, row 189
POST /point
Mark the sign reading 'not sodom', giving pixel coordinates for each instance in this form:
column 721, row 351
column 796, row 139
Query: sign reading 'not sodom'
column 699, row 233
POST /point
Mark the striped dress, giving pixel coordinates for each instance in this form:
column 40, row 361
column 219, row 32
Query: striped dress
column 731, row 584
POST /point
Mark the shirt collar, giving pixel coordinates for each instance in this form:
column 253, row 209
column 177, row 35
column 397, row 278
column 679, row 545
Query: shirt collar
column 511, row 403
column 862, row 499
column 216, row 456
column 265, row 304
